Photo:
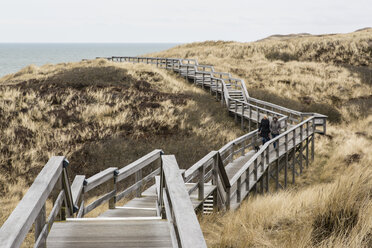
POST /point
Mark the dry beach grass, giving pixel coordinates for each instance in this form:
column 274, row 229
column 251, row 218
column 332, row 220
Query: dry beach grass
column 101, row 114
column 330, row 204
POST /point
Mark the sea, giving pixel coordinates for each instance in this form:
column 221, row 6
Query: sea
column 15, row 56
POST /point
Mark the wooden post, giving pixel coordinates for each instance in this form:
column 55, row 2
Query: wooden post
column 112, row 201
column 236, row 112
column 215, row 182
column 203, row 81
column 250, row 117
column 228, row 199
column 301, row 147
column 286, row 161
column 39, row 225
column 238, row 190
column 210, row 87
column 267, row 178
column 255, row 171
column 277, row 148
column 312, row 142
column 201, row 183
column 307, row 151
column 242, row 117
column 138, row 177
column 247, row 180
column 277, row 175
column 294, row 157
column 262, row 162
column 222, row 95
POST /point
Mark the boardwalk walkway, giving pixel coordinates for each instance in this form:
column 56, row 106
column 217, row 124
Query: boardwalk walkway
column 164, row 200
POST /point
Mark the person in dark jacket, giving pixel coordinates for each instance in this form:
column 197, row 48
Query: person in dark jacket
column 264, row 129
column 275, row 129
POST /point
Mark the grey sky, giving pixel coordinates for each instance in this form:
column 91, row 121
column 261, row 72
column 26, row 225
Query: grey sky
column 175, row 20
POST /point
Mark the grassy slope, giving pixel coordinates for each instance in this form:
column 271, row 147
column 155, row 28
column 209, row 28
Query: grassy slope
column 328, row 74
column 330, row 203
column 100, row 114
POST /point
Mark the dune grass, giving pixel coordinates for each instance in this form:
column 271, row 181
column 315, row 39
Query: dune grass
column 330, row 74
column 330, row 203
column 100, row 114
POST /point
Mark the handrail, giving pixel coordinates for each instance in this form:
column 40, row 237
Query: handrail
column 32, row 206
column 263, row 148
column 116, row 175
column 178, row 207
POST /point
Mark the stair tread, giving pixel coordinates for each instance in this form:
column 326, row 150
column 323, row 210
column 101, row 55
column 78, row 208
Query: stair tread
column 96, row 233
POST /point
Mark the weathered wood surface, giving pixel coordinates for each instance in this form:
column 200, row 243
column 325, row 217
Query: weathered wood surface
column 116, row 233
column 129, row 212
column 99, row 178
column 77, row 187
column 189, row 232
column 16, row 227
column 138, row 164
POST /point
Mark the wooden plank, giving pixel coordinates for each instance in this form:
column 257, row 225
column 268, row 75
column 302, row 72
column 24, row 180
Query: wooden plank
column 16, row 227
column 189, row 232
column 143, row 202
column 138, row 164
column 77, row 188
column 129, row 212
column 116, row 233
column 99, row 178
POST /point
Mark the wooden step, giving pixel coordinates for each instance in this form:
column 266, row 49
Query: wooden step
column 114, row 233
column 129, row 212
column 142, row 202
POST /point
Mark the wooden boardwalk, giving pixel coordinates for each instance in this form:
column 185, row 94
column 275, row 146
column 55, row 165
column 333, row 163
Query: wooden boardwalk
column 164, row 200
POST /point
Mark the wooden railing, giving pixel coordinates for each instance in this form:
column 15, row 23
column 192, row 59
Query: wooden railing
column 71, row 199
column 259, row 162
column 114, row 176
column 178, row 209
column 32, row 209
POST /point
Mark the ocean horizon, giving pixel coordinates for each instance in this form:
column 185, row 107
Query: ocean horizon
column 15, row 56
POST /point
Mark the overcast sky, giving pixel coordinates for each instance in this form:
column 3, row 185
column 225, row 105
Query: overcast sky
column 175, row 20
